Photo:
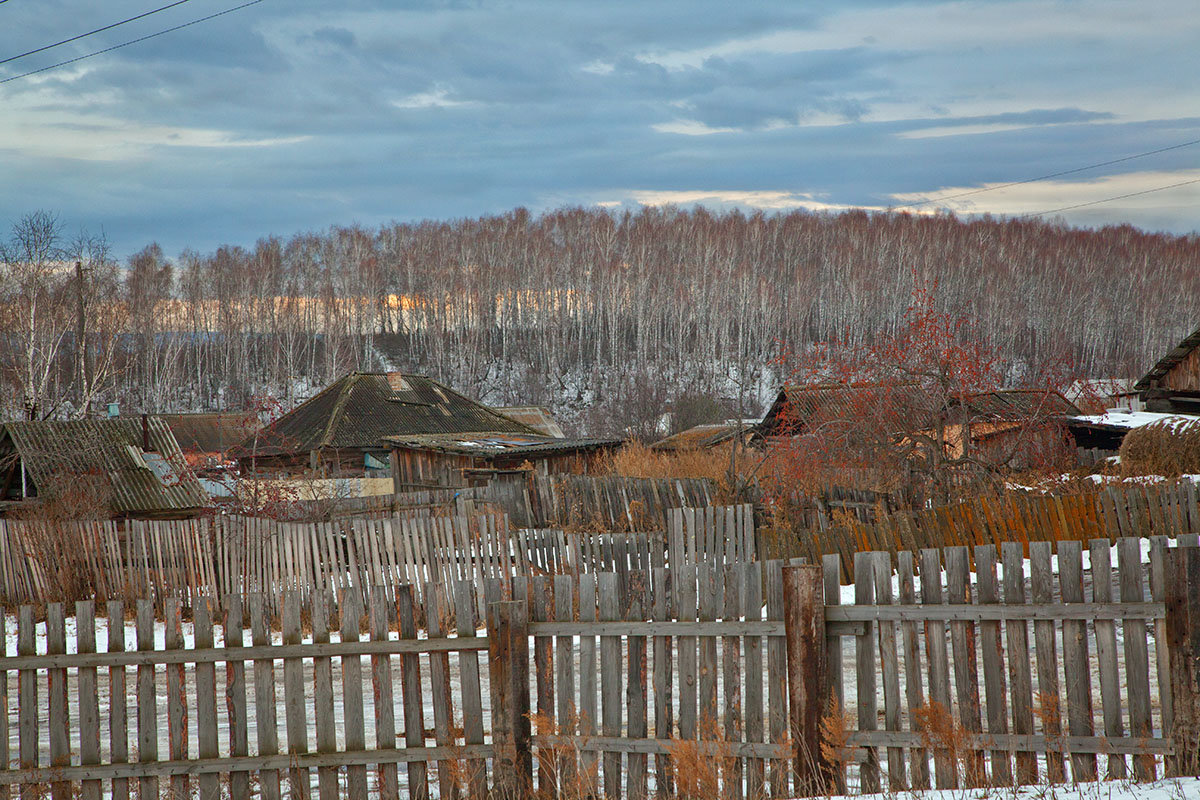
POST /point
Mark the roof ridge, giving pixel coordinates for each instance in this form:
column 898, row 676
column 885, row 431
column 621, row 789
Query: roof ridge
column 336, row 412
column 487, row 408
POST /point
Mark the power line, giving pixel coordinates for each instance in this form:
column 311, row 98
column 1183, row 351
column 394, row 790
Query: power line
column 1110, row 199
column 1047, row 177
column 131, row 41
column 89, row 33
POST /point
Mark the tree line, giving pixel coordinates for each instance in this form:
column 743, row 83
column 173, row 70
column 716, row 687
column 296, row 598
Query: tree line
column 609, row 317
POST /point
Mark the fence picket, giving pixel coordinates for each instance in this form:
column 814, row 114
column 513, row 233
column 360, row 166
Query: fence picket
column 1075, row 660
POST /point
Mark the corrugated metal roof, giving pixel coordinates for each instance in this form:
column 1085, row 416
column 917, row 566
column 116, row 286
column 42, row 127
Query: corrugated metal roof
column 536, row 417
column 112, row 448
column 209, row 432
column 496, row 444
column 360, row 409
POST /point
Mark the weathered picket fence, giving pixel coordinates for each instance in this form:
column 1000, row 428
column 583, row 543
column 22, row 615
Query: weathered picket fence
column 715, row 680
column 220, row 556
column 1075, row 616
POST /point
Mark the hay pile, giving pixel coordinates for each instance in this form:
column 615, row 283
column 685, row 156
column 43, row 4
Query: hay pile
column 1169, row 447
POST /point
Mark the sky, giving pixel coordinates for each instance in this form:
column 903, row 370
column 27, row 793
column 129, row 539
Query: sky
column 293, row 115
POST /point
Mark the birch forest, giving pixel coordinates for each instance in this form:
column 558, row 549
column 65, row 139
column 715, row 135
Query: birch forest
column 609, row 318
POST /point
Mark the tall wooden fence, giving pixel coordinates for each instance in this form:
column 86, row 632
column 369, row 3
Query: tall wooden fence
column 243, row 555
column 612, row 502
column 1112, row 512
column 709, row 682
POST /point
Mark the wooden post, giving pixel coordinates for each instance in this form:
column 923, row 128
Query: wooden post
column 804, row 626
column 508, row 665
column 1183, row 644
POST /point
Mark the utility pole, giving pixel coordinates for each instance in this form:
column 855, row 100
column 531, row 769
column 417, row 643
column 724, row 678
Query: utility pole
column 83, row 372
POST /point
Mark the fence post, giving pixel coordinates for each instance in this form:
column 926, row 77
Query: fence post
column 508, row 666
column 1183, row 647
column 804, row 626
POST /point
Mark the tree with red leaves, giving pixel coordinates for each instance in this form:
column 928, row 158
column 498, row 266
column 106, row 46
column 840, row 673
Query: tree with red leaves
column 918, row 412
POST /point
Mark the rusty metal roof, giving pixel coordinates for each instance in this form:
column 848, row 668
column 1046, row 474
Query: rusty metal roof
column 488, row 445
column 360, row 409
column 150, row 480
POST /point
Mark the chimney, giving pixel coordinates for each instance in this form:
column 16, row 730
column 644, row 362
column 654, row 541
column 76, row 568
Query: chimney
column 114, row 410
column 397, row 383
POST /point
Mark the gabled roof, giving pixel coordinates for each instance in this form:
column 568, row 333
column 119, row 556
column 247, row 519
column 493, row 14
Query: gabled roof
column 209, row 432
column 142, row 481
column 1013, row 404
column 358, row 410
column 536, row 417
column 1168, row 362
column 489, row 445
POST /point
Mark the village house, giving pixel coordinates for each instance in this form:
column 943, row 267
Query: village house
column 125, row 468
column 340, row 432
column 208, row 439
column 1172, row 386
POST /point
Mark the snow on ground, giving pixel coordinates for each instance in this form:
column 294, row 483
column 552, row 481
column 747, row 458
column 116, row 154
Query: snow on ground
column 1170, row 789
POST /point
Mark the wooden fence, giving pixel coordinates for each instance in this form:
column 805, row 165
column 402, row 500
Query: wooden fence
column 612, row 502
column 715, row 682
column 1039, row 700
column 216, row 557
column 1112, row 512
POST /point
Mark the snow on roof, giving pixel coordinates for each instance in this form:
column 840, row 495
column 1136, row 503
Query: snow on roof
column 1123, row 418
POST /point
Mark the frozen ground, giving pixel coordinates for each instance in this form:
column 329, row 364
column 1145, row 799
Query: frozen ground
column 1170, row 789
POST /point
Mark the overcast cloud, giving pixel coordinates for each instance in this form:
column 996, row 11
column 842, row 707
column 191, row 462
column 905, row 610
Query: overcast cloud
column 294, row 114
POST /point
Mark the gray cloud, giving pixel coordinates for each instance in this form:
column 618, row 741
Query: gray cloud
column 299, row 115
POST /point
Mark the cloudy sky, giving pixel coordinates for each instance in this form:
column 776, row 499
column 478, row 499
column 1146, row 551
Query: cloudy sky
column 294, row 114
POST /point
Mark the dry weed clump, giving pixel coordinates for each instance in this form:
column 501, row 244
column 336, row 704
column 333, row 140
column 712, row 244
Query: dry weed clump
column 636, row 460
column 1169, row 447
column 950, row 743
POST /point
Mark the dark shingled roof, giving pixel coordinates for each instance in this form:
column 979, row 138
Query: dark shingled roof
column 1168, row 362
column 209, row 432
column 360, row 409
column 112, row 449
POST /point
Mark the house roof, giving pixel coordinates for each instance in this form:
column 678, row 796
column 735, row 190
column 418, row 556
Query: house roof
column 141, row 481
column 808, row 403
column 209, row 432
column 841, row 400
column 358, row 410
column 702, row 436
column 489, row 445
column 535, row 417
column 1168, row 362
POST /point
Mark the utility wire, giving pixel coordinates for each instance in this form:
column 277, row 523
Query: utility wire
column 131, row 41
column 1109, row 199
column 89, row 33
column 1047, row 177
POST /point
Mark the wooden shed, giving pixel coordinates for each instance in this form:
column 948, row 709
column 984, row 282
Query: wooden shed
column 442, row 460
column 1172, row 385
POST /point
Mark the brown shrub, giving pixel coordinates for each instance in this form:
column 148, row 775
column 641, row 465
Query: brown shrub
column 1170, row 448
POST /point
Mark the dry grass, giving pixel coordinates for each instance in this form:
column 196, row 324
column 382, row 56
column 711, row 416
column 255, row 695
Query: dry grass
column 636, row 460
column 1169, row 448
